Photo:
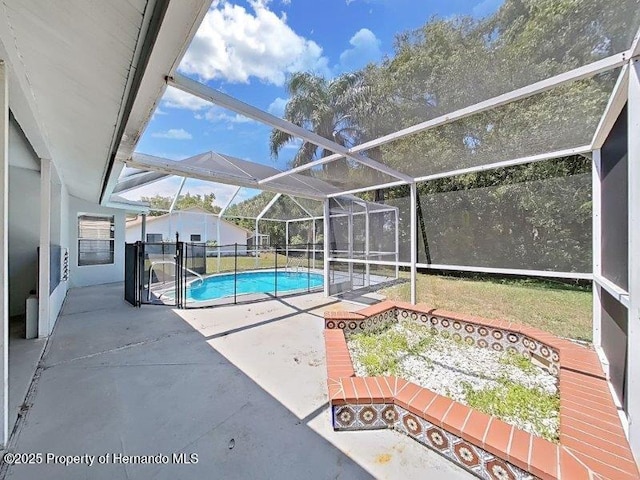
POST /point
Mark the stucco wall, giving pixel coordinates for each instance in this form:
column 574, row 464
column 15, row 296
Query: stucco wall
column 81, row 276
column 24, row 218
column 24, row 235
column 186, row 224
column 61, row 221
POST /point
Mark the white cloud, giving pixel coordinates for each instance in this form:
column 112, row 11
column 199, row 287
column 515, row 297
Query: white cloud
column 173, row 134
column 203, row 110
column 365, row 48
column 234, row 44
column 217, row 114
column 277, row 107
column 158, row 111
column 174, row 98
column 285, row 2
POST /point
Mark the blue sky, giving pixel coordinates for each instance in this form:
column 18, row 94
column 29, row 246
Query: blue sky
column 247, row 49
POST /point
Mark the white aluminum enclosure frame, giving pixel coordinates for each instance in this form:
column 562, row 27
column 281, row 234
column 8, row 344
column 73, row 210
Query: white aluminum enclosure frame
column 626, row 90
column 223, row 100
column 576, row 74
column 4, row 251
column 633, row 359
column 170, row 167
column 587, row 71
column 350, row 261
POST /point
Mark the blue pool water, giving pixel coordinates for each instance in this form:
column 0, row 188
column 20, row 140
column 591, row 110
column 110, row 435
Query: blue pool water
column 220, row 286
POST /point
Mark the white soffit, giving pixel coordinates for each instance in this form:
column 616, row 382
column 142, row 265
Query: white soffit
column 72, row 66
column 179, row 25
column 76, row 59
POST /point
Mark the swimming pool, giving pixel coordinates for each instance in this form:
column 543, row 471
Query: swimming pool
column 221, row 286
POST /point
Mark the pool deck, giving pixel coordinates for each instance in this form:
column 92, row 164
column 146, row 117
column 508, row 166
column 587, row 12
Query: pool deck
column 244, row 387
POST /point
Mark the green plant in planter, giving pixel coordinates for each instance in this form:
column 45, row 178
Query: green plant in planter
column 511, row 402
column 381, row 353
column 420, row 338
column 518, row 360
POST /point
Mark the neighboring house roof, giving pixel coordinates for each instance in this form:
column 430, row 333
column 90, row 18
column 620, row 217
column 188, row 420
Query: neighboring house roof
column 138, row 220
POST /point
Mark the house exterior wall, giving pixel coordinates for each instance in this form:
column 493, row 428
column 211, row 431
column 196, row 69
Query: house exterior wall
column 24, row 236
column 81, row 276
column 64, row 239
column 190, row 223
column 24, row 218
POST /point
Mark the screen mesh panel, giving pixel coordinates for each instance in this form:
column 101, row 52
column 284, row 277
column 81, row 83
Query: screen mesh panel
column 248, row 203
column 285, row 208
column 565, row 117
column 300, row 233
column 164, row 190
column 447, row 56
column 366, row 230
column 537, row 225
column 344, row 175
column 455, row 62
column 383, row 227
column 345, row 278
column 614, row 175
column 615, row 332
column 313, row 207
column 221, row 164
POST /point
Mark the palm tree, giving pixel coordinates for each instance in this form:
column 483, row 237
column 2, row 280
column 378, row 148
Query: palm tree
column 326, row 108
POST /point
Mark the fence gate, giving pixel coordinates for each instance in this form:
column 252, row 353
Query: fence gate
column 132, row 273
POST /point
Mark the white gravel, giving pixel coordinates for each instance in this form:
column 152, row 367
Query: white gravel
column 445, row 365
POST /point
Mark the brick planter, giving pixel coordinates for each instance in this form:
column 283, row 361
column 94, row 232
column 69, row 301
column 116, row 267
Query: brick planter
column 592, row 441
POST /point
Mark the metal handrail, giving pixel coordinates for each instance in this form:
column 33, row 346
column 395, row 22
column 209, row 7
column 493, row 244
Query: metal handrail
column 292, row 263
column 167, row 262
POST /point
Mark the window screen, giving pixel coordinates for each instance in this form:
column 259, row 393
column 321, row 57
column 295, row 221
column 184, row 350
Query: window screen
column 154, row 237
column 95, row 240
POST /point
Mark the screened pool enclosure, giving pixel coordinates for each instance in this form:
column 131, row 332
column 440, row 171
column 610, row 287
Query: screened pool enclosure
column 512, row 151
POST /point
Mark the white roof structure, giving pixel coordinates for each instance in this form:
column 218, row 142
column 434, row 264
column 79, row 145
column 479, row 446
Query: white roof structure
column 579, row 98
column 113, row 69
column 515, row 99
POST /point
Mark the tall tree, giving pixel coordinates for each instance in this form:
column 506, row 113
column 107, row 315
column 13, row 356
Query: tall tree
column 324, row 107
column 160, row 205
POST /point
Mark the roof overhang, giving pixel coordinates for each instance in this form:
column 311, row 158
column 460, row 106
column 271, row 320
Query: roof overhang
column 171, row 40
column 90, row 76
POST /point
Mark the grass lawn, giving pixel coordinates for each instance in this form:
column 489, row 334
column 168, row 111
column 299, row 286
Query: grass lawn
column 559, row 309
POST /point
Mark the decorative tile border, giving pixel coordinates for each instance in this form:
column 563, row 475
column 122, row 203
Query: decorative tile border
column 592, row 441
column 473, row 333
column 470, row 457
column 350, row 322
column 482, row 336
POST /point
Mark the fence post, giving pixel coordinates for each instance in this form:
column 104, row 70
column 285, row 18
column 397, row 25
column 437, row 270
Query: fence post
column 139, row 273
column 275, row 278
column 179, row 272
column 235, row 273
column 309, row 268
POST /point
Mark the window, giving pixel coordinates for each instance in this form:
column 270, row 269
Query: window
column 195, row 237
column 154, row 238
column 95, row 240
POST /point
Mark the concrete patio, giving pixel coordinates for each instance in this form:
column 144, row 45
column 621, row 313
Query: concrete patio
column 242, row 387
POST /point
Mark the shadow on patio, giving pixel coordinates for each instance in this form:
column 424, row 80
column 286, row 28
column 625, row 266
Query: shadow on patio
column 115, row 379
